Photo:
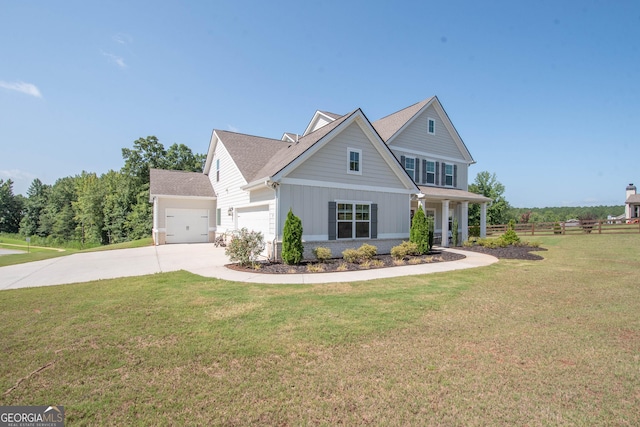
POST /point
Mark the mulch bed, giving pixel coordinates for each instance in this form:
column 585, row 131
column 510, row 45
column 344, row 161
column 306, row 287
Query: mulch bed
column 338, row 264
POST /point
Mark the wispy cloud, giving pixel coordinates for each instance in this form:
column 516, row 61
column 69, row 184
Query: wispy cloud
column 233, row 128
column 122, row 38
column 118, row 60
column 26, row 88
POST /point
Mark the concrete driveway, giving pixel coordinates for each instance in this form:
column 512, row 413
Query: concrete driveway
column 202, row 258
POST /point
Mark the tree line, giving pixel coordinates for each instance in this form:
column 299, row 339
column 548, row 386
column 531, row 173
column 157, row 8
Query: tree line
column 95, row 210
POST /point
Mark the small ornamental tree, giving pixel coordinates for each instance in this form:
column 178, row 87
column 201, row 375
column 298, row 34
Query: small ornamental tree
column 419, row 233
column 454, row 232
column 245, row 246
column 292, row 249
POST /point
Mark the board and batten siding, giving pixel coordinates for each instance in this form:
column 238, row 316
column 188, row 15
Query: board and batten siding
column 330, row 162
column 416, row 138
column 311, row 205
column 228, row 188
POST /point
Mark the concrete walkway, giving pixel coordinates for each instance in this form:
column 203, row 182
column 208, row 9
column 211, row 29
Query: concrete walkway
column 202, row 259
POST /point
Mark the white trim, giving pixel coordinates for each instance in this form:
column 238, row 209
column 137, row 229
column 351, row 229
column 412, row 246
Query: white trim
column 359, row 152
column 427, row 156
column 314, row 120
column 167, row 196
column 429, row 121
column 344, row 186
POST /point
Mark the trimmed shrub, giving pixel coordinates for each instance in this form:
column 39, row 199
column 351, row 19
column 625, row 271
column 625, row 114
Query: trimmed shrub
column 292, row 249
column 454, row 232
column 322, row 254
column 403, row 250
column 367, row 252
column 510, row 237
column 556, row 228
column 351, row 255
column 245, row 246
column 474, row 231
column 419, row 233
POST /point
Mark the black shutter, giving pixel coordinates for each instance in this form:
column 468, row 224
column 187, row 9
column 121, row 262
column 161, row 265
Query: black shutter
column 332, row 220
column 455, row 176
column 374, row 220
column 417, row 174
column 443, row 177
column 424, row 171
column 437, row 173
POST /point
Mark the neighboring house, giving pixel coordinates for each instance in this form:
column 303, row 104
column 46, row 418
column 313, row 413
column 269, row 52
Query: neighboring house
column 349, row 180
column 632, row 204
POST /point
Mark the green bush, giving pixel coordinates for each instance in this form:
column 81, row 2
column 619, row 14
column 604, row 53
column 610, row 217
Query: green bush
column 556, row 228
column 454, row 232
column 404, row 250
column 322, row 254
column 510, row 237
column 474, row 231
column 245, row 246
column 419, row 233
column 351, row 255
column 292, row 248
column 367, row 252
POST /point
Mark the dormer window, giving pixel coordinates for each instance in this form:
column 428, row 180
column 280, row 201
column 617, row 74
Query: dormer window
column 431, row 126
column 354, row 161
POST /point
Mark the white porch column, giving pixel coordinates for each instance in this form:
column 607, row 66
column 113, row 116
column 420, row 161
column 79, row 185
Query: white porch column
column 445, row 223
column 464, row 221
column 155, row 221
column 483, row 220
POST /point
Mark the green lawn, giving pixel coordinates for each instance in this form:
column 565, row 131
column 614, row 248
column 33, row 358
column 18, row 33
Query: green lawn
column 552, row 342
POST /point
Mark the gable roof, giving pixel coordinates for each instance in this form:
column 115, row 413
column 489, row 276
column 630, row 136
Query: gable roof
column 249, row 152
column 179, row 183
column 320, row 115
column 391, row 126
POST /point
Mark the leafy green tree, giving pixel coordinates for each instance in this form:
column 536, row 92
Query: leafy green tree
column 140, row 220
column 88, row 208
column 292, row 248
column 119, row 199
column 10, row 208
column 58, row 219
column 488, row 185
column 180, row 157
column 419, row 232
column 36, row 201
column 146, row 153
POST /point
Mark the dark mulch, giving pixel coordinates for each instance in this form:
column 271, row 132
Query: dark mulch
column 338, row 264
column 333, row 264
column 510, row 252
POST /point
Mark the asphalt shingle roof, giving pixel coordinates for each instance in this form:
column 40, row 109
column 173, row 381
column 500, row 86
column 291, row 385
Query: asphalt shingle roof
column 179, row 183
column 389, row 125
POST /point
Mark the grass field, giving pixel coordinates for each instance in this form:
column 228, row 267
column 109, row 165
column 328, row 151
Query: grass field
column 551, row 342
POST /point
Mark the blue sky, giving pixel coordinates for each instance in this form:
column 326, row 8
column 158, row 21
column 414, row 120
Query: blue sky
column 545, row 94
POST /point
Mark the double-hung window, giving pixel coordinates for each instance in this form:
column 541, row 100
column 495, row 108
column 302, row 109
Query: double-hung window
column 354, row 220
column 354, row 161
column 410, row 167
column 448, row 175
column 431, row 172
column 217, row 170
column 431, row 126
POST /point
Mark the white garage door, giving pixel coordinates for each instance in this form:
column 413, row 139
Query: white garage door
column 187, row 225
column 255, row 218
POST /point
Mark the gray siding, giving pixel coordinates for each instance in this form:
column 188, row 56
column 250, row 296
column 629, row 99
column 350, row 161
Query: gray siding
column 415, row 137
column 310, row 204
column 330, row 162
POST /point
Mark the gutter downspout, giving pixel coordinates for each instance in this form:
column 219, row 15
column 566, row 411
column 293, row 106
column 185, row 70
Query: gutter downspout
column 276, row 189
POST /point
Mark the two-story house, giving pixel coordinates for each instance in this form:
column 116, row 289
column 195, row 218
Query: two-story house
column 349, row 180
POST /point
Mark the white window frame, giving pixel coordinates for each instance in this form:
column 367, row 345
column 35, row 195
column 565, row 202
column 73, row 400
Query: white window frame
column 354, row 220
column 359, row 164
column 412, row 174
column 433, row 173
column 448, row 176
column 431, row 126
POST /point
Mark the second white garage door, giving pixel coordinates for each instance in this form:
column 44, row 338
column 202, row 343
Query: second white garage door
column 187, row 225
column 255, row 218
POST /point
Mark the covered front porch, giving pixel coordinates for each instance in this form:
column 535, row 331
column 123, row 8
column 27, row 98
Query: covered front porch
column 446, row 204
